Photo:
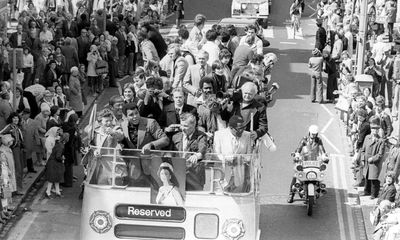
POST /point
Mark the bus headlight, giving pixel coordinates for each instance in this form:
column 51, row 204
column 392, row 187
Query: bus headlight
column 100, row 221
column 206, row 226
column 311, row 175
column 244, row 5
column 233, row 229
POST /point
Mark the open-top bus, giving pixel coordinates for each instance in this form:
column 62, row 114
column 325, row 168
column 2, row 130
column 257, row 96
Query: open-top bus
column 121, row 201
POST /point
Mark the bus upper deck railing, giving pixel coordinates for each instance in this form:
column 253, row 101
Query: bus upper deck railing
column 235, row 175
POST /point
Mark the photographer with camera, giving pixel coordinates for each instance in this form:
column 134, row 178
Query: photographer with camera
column 170, row 120
column 153, row 98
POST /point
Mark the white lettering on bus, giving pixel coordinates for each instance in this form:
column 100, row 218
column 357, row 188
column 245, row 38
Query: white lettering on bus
column 149, row 213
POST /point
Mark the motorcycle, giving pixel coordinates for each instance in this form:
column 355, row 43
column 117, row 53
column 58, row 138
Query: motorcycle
column 309, row 174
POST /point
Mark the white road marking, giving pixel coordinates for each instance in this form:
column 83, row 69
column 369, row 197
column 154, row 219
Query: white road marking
column 327, row 110
column 292, row 43
column 291, row 35
column 338, row 201
column 269, row 32
column 330, row 143
column 327, row 125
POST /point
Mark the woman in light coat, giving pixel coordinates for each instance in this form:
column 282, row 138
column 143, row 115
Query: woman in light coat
column 75, row 100
column 92, row 58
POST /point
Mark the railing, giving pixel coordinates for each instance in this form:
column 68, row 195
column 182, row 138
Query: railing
column 234, row 175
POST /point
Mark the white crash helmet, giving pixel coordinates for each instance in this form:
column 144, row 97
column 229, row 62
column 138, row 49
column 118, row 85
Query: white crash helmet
column 270, row 57
column 313, row 129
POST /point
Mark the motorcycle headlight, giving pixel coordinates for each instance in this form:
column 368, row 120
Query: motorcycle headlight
column 311, row 175
column 322, row 167
column 233, row 229
column 244, row 5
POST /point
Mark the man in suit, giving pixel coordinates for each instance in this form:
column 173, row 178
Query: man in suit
column 145, row 134
column 179, row 66
column 121, row 45
column 70, row 27
column 194, row 74
column 19, row 39
column 193, row 141
column 171, row 112
column 372, row 153
column 83, row 46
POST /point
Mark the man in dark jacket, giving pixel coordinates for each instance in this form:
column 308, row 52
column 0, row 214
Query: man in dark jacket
column 70, row 27
column 320, row 36
column 20, row 39
column 363, row 129
column 83, row 46
column 372, row 153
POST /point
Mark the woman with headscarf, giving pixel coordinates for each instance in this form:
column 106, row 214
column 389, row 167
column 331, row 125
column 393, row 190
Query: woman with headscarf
column 70, row 126
column 41, row 120
column 7, row 159
column 55, row 166
column 14, row 129
column 75, row 100
column 93, row 78
column 51, row 135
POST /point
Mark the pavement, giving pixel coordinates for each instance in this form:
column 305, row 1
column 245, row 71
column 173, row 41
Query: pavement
column 31, row 181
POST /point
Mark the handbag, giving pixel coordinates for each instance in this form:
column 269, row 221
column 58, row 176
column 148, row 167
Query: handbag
column 101, row 67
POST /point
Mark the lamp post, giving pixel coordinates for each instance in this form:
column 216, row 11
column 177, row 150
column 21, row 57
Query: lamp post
column 362, row 36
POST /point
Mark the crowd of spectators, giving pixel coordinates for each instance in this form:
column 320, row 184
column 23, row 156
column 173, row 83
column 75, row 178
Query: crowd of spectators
column 183, row 90
column 371, row 108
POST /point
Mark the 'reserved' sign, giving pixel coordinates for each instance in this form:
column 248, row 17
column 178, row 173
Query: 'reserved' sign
column 151, row 212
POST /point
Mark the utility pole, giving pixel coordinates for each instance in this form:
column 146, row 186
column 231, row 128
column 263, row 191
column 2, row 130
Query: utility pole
column 362, row 36
column 14, row 85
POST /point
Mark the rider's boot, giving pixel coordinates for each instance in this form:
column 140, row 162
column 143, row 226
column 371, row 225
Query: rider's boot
column 290, row 199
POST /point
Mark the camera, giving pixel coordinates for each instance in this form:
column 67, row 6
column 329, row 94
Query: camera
column 231, row 94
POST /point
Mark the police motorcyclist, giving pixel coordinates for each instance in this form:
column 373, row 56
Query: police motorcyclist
column 310, row 147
